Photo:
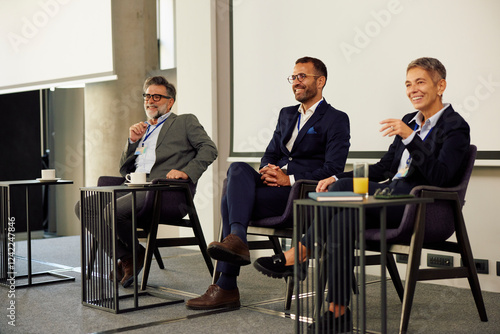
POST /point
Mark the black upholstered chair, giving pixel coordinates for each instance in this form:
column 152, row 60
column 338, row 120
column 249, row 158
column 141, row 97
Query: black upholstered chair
column 443, row 217
column 275, row 228
column 170, row 207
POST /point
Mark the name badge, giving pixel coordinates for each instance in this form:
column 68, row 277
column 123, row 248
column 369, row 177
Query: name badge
column 140, row 150
column 404, row 170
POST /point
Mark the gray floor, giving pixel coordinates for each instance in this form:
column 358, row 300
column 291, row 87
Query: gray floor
column 57, row 308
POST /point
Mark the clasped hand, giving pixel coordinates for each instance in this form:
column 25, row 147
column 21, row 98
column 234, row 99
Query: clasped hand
column 273, row 176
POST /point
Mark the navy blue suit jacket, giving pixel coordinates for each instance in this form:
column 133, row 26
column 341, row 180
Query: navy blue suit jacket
column 437, row 161
column 320, row 149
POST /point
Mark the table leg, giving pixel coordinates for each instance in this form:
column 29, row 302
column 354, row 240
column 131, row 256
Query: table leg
column 28, row 235
column 383, row 265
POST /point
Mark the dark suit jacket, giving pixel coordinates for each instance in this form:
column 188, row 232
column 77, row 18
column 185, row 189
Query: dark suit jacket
column 437, row 161
column 183, row 144
column 320, row 149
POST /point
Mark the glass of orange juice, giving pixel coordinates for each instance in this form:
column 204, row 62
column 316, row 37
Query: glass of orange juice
column 360, row 180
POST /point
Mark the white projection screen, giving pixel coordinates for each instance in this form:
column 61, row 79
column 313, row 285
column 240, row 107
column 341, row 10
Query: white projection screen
column 366, row 46
column 46, row 43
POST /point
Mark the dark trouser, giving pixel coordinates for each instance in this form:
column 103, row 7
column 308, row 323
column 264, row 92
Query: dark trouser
column 124, row 241
column 338, row 237
column 247, row 198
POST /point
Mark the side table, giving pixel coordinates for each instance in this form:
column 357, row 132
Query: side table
column 101, row 289
column 7, row 237
column 308, row 212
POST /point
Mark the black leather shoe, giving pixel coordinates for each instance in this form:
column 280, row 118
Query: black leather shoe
column 274, row 266
column 329, row 324
column 232, row 249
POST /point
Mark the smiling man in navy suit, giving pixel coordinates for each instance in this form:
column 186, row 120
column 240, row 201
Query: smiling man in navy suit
column 311, row 141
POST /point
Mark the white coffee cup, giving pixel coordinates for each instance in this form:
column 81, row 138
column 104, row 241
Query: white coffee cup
column 136, row 177
column 48, row 174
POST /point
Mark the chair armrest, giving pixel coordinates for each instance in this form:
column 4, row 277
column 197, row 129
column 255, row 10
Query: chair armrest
column 110, row 181
column 439, row 193
column 185, row 187
column 176, row 182
column 170, row 181
column 306, row 186
column 418, row 189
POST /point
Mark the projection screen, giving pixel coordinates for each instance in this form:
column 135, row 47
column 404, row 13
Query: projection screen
column 366, row 46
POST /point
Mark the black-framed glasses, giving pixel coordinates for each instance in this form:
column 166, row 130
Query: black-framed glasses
column 155, row 97
column 300, row 77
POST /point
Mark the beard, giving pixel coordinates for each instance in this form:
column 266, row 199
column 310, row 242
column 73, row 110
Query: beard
column 307, row 93
column 155, row 114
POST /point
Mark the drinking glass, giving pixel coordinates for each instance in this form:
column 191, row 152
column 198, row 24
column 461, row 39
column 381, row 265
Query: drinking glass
column 360, row 180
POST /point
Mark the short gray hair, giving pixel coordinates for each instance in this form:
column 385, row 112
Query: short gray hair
column 435, row 68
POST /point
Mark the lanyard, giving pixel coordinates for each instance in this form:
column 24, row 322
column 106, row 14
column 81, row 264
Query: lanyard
column 149, row 133
column 298, row 123
column 428, row 133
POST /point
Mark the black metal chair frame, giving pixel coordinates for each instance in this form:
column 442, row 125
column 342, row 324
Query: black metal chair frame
column 414, row 251
column 151, row 233
column 274, row 233
column 193, row 222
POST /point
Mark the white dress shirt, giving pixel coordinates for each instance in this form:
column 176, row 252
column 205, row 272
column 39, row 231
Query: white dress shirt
column 144, row 162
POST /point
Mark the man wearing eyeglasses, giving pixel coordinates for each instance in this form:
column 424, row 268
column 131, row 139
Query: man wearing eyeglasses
column 311, row 141
column 165, row 146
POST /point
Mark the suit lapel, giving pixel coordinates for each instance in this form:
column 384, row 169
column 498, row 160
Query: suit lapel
column 164, row 129
column 318, row 114
column 433, row 136
column 288, row 131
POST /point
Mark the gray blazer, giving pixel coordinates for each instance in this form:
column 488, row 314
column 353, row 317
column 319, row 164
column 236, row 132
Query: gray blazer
column 183, row 144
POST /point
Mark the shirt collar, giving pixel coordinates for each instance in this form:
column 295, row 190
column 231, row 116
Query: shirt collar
column 432, row 120
column 312, row 108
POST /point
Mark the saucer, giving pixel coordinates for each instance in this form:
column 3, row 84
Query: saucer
column 48, row 180
column 138, row 184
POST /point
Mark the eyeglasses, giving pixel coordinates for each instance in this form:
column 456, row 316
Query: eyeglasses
column 156, row 97
column 300, row 77
column 384, row 192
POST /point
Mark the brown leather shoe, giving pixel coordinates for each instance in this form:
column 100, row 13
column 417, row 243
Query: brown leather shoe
column 119, row 271
column 215, row 297
column 128, row 267
column 232, row 249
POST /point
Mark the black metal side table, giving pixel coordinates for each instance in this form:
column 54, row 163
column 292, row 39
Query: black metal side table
column 101, row 289
column 7, row 237
column 308, row 212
